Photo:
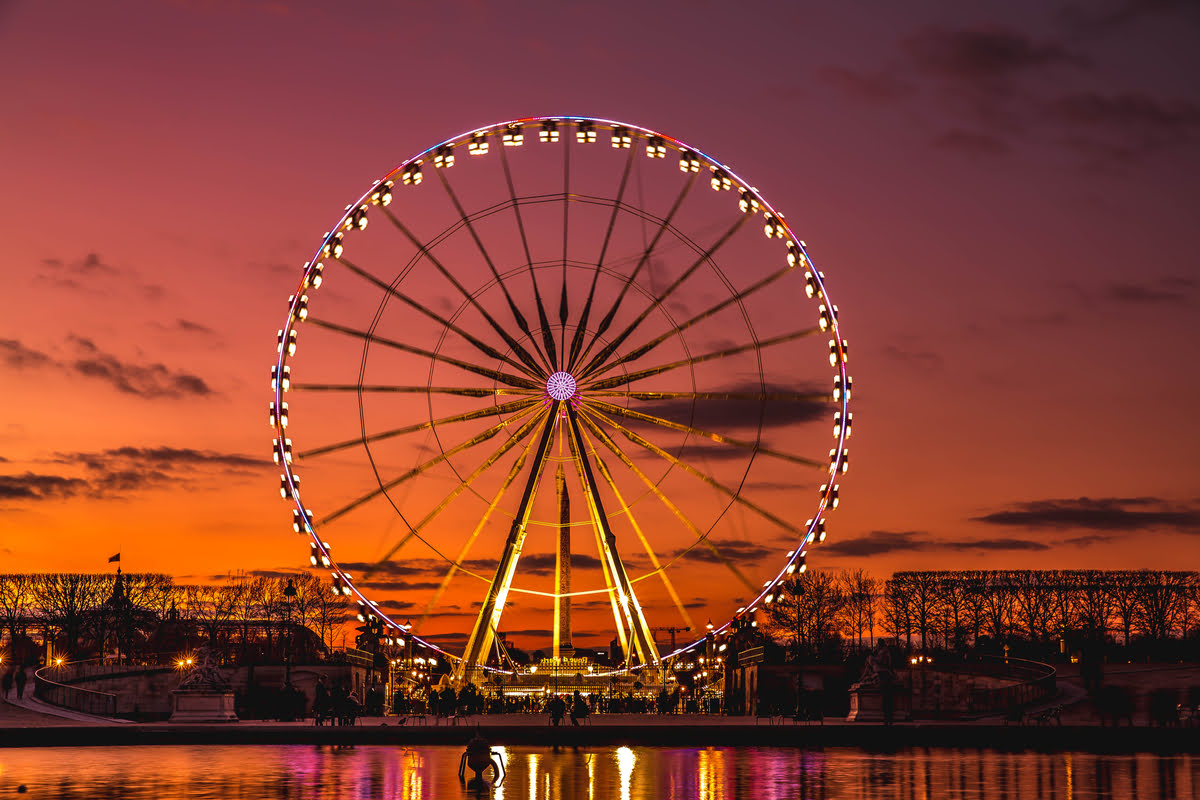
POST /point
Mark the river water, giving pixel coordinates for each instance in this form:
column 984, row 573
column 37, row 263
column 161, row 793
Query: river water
column 304, row 772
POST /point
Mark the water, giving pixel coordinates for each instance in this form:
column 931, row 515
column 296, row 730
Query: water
column 302, row 772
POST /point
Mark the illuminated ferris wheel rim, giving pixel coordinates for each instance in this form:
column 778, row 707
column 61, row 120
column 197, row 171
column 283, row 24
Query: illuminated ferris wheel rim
column 797, row 256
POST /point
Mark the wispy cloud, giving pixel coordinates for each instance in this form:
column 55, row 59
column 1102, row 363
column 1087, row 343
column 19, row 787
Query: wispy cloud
column 883, row 542
column 31, row 486
column 1102, row 514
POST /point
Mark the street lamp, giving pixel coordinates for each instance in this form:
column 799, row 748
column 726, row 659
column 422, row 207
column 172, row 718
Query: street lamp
column 289, row 592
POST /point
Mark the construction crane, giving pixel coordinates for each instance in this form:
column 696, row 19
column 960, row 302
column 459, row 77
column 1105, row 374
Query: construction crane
column 671, row 630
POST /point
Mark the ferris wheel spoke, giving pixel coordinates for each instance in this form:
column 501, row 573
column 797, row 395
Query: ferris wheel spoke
column 513, row 344
column 621, row 380
column 708, row 479
column 678, row 329
column 474, row 441
column 753, row 447
column 612, row 346
column 369, row 387
column 637, row 529
column 543, row 319
column 422, row 308
column 656, row 490
column 465, row 550
column 522, row 323
column 577, row 338
column 492, row 411
column 607, row 320
column 625, row 602
column 465, row 484
column 496, row 375
column 562, row 301
column 794, row 397
column 479, row 643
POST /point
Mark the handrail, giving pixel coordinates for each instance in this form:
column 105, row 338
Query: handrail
column 86, row 701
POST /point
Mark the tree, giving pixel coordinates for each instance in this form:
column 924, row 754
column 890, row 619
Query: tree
column 16, row 603
column 808, row 610
column 861, row 592
column 63, row 600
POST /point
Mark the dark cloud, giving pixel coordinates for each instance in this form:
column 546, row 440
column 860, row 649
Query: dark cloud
column 881, row 542
column 143, row 380
column 922, row 359
column 992, row 544
column 182, row 325
column 1125, row 126
column 1102, row 514
column 1104, row 17
column 1167, row 291
column 984, row 55
column 543, row 563
column 395, row 605
column 1090, row 539
column 18, row 356
column 972, row 143
column 396, row 586
column 868, row 86
column 774, row 406
column 118, row 471
column 735, row 550
column 875, row 543
column 32, row 486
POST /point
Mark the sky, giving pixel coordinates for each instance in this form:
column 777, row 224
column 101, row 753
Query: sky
column 1001, row 196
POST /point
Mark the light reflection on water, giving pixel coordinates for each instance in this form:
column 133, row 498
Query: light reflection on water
column 430, row 773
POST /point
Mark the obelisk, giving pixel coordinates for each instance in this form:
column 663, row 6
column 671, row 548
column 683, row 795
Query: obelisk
column 562, row 571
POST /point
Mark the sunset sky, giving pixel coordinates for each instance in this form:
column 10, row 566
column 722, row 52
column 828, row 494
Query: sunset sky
column 1002, row 197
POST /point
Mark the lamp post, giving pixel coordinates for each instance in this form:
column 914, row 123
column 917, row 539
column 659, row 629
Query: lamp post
column 289, row 593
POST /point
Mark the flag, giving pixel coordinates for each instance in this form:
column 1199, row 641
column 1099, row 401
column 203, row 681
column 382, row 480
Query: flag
column 116, row 558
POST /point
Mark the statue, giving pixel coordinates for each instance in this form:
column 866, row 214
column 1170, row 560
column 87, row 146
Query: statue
column 206, row 676
column 877, row 671
column 872, row 699
column 204, row 694
column 478, row 757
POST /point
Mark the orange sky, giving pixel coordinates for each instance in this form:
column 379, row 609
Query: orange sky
column 1001, row 202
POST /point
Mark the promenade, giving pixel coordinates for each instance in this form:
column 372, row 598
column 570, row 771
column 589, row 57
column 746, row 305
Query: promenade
column 29, row 722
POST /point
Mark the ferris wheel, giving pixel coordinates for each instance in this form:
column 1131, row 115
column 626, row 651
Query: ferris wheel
column 574, row 370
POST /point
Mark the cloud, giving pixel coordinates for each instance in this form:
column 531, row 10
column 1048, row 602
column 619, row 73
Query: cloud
column 983, row 55
column 882, row 542
column 872, row 87
column 874, row 543
column 735, row 550
column 17, row 356
column 922, row 359
column 783, row 405
column 1101, row 514
column 1123, row 125
column 978, row 71
column 397, row 586
column 972, row 143
column 992, row 544
column 32, row 486
column 1165, row 291
column 118, row 471
column 1094, row 17
column 144, row 380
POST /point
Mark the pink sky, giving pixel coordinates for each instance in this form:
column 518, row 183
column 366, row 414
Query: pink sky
column 1003, row 203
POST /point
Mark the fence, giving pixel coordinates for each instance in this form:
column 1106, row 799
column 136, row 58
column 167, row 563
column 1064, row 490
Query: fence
column 74, row 698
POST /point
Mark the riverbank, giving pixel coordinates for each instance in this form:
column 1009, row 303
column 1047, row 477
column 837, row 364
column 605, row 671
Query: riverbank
column 673, row 732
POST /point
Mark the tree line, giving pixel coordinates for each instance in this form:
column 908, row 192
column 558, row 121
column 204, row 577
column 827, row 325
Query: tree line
column 90, row 614
column 955, row 610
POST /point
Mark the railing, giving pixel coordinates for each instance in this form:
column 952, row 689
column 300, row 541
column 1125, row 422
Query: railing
column 1037, row 682
column 74, row 698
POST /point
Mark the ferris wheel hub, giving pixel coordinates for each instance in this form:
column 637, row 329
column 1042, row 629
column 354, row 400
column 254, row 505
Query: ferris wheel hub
column 561, row 386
